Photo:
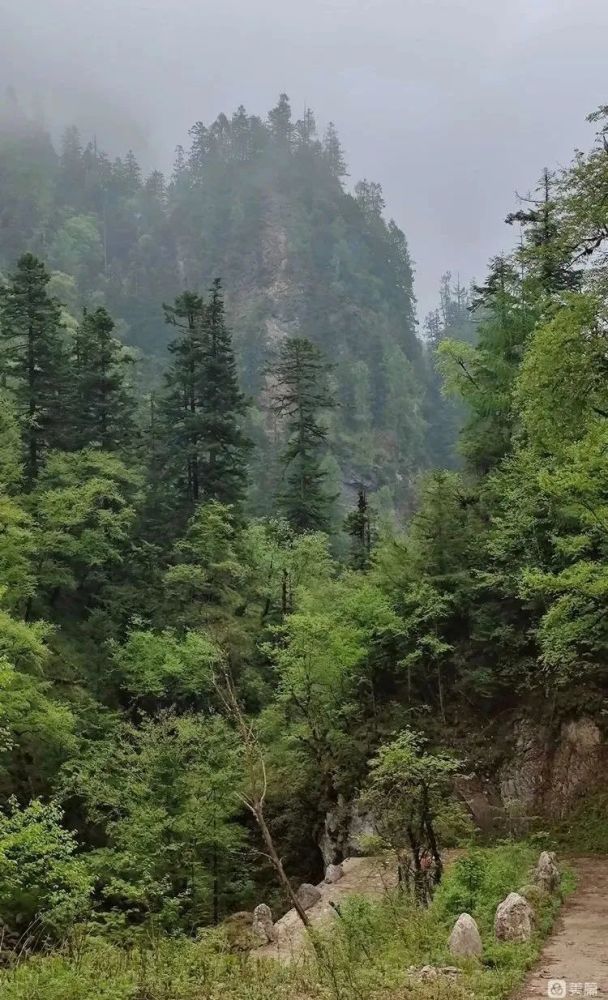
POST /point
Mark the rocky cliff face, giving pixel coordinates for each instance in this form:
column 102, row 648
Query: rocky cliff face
column 546, row 776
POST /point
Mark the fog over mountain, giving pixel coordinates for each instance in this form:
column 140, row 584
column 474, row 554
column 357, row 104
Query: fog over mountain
column 448, row 104
column 303, row 499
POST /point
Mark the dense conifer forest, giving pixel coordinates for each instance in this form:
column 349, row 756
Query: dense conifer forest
column 264, row 546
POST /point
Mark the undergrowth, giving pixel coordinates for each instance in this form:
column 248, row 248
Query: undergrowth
column 365, row 955
column 586, row 830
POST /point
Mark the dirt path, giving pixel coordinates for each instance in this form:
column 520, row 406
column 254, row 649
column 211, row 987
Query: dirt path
column 575, row 957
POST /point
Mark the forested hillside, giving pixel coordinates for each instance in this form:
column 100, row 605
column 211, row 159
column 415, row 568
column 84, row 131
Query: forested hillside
column 201, row 660
column 261, row 203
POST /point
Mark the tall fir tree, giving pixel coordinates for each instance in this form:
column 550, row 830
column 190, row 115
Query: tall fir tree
column 543, row 252
column 203, row 405
column 358, row 525
column 300, row 394
column 183, row 421
column 103, row 405
column 34, row 360
column 224, row 406
column 334, row 154
column 484, row 376
column 279, row 119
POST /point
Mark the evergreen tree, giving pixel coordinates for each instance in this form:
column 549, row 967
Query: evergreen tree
column 182, row 405
column 71, row 172
column 103, row 406
column 452, row 321
column 359, row 527
column 334, row 154
column 204, row 406
column 542, row 253
column 279, row 118
column 225, row 471
column 301, row 392
column 34, row 359
column 484, row 376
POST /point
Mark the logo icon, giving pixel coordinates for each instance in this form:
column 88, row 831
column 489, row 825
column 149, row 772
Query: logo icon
column 557, row 989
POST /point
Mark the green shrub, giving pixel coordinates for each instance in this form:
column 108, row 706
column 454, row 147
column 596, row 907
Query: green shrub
column 43, row 885
column 586, row 830
column 365, row 953
column 478, row 882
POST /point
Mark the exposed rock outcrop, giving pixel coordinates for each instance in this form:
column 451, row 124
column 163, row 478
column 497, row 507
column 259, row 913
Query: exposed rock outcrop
column 307, row 895
column 344, row 831
column 333, row 874
column 545, row 775
column 482, row 801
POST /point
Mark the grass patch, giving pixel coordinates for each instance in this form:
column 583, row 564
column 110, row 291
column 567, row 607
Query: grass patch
column 365, row 954
column 586, row 830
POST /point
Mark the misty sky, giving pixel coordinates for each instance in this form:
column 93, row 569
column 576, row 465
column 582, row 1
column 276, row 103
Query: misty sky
column 451, row 104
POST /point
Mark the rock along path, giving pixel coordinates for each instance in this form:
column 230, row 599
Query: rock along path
column 575, row 956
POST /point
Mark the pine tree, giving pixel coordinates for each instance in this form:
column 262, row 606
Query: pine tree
column 301, row 392
column 204, row 406
column 103, row 405
column 184, row 381
column 279, row 118
column 334, row 154
column 305, row 130
column 484, row 376
column 34, row 360
column 71, row 174
column 225, row 471
column 542, row 253
column 359, row 526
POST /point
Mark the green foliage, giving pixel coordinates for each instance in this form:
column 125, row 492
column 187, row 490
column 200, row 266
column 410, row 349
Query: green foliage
column 135, row 566
column 102, row 404
column 407, row 790
column 358, row 524
column 165, row 794
column 300, row 395
column 165, row 666
column 369, row 949
column 10, row 445
column 262, row 202
column 203, row 406
column 584, row 831
column 84, row 511
column 77, row 248
column 16, row 555
column 37, row 732
column 484, row 375
column 326, row 682
column 44, row 886
column 34, row 358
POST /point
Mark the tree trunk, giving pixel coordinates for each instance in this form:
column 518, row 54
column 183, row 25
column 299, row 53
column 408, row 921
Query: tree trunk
column 278, row 864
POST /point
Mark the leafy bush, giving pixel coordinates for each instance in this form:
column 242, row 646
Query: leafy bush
column 42, row 883
column 478, row 882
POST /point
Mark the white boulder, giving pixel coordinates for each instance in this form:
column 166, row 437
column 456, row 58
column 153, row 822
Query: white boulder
column 465, row 939
column 514, row 919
